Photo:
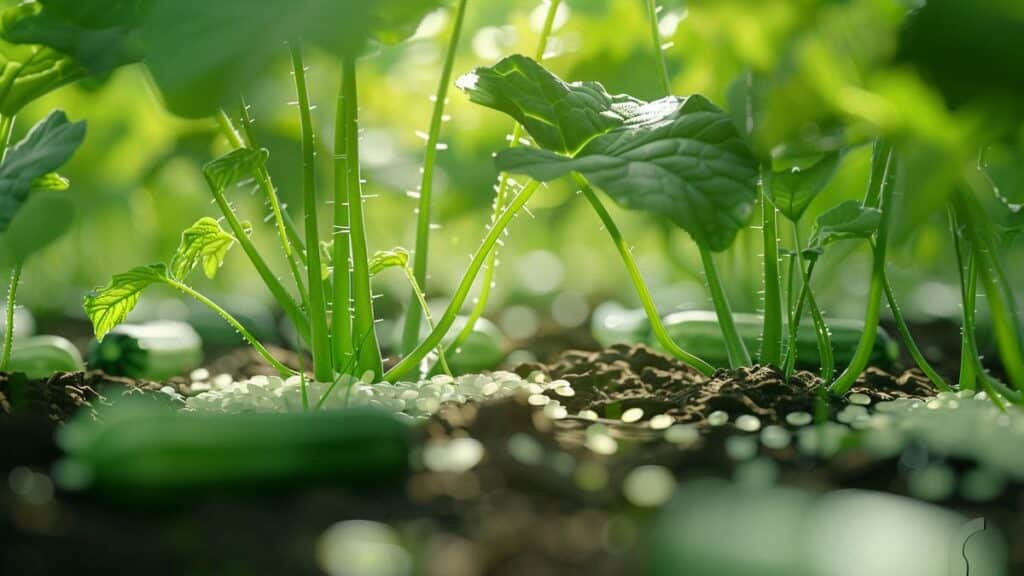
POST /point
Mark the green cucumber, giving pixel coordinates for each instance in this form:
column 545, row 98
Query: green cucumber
column 41, row 356
column 152, row 351
column 141, row 449
column 698, row 332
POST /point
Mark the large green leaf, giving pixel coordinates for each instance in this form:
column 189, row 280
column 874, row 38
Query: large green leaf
column 100, row 35
column 49, row 145
column 205, row 242
column 848, row 220
column 677, row 157
column 793, row 191
column 109, row 306
column 43, row 219
column 204, row 54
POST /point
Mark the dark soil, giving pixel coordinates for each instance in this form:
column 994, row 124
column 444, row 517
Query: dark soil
column 510, row 515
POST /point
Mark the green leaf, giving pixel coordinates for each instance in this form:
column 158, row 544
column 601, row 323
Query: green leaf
column 793, row 191
column 51, row 182
column 234, row 166
column 560, row 116
column 231, row 43
column 100, row 35
column 384, row 259
column 109, row 306
column 48, row 146
column 677, row 157
column 848, row 220
column 206, row 242
column 43, row 219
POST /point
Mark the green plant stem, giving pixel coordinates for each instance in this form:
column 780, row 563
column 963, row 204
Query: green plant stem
column 968, row 375
column 6, row 129
column 411, row 360
column 12, row 295
column 320, row 344
column 771, row 336
column 998, row 293
column 737, row 350
column 246, row 335
column 908, row 338
column 642, row 292
column 411, row 330
column 421, row 298
column 341, row 317
column 363, row 321
column 281, row 295
column 501, row 198
column 882, row 181
column 652, row 18
column 988, row 383
column 263, row 179
column 825, row 353
column 235, row 139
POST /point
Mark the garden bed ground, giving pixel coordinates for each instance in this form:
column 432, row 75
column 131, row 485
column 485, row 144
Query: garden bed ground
column 547, row 497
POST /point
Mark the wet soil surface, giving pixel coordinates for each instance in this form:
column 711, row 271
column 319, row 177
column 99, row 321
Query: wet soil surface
column 540, row 501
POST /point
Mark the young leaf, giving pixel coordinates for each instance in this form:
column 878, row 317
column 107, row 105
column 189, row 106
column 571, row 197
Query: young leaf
column 109, row 306
column 51, row 182
column 678, row 157
column 99, row 35
column 794, row 190
column 206, row 242
column 234, row 166
column 847, row 220
column 384, row 259
column 31, row 71
column 47, row 147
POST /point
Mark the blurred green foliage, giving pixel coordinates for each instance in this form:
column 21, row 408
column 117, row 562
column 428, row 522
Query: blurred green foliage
column 829, row 73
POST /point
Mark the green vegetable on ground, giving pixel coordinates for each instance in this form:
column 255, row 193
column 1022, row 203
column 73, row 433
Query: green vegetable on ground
column 152, row 351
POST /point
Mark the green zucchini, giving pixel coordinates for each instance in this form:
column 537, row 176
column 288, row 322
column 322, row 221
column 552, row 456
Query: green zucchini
column 41, row 356
column 140, row 448
column 698, row 332
column 152, row 351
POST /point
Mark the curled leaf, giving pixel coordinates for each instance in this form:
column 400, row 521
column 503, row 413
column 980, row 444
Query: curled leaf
column 851, row 219
column 206, row 242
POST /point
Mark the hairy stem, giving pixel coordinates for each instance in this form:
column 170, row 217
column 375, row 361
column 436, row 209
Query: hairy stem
column 652, row 18
column 771, row 336
column 412, row 359
column 825, row 353
column 502, row 195
column 265, row 184
column 881, row 181
column 246, row 335
column 968, row 375
column 363, row 320
column 638, row 282
column 320, row 344
column 12, row 295
column 411, row 330
column 736, row 349
column 341, row 317
column 421, row 298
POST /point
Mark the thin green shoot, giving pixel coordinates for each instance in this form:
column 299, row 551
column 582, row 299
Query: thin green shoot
column 968, row 376
column 411, row 360
column 771, row 337
column 638, row 282
column 737, row 350
column 505, row 184
column 908, row 338
column 12, row 296
column 880, row 187
column 659, row 51
column 411, row 330
column 319, row 337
